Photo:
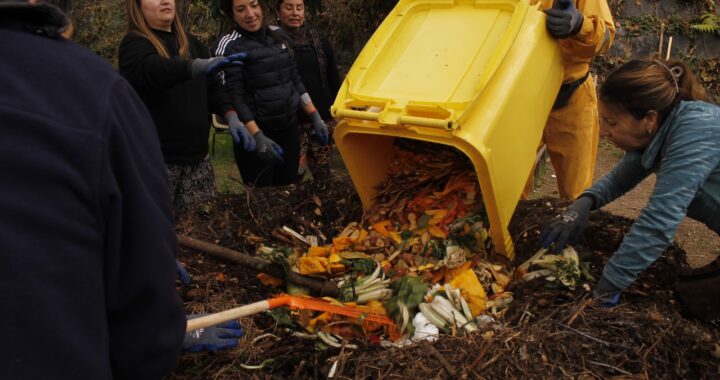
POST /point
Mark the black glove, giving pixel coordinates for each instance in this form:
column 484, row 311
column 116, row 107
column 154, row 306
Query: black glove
column 606, row 294
column 207, row 66
column 563, row 20
column 569, row 226
column 268, row 150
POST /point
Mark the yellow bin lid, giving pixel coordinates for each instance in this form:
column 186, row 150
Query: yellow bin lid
column 479, row 75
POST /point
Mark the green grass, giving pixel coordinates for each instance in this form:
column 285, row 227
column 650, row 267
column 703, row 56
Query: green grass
column 614, row 151
column 227, row 176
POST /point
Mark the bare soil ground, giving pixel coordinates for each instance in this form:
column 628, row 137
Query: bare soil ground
column 701, row 244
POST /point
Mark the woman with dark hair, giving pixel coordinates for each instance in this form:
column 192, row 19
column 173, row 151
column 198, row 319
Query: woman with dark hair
column 315, row 60
column 267, row 92
column 657, row 113
column 175, row 77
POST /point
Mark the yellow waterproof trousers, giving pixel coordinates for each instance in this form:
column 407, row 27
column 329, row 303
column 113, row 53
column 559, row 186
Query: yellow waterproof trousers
column 571, row 135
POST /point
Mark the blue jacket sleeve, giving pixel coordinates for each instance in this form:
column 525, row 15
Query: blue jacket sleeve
column 621, row 179
column 691, row 152
column 146, row 320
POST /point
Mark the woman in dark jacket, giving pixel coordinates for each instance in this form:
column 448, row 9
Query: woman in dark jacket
column 315, row 60
column 174, row 75
column 267, row 92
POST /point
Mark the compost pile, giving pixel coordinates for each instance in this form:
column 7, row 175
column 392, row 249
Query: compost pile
column 429, row 226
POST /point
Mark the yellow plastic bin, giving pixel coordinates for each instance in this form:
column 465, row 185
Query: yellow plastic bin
column 480, row 76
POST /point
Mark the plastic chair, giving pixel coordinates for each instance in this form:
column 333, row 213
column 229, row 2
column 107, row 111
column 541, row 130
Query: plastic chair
column 219, row 128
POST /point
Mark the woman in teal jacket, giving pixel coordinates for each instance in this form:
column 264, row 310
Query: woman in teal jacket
column 657, row 113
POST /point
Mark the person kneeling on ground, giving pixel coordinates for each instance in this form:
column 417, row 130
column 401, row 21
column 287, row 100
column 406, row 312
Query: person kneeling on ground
column 657, row 113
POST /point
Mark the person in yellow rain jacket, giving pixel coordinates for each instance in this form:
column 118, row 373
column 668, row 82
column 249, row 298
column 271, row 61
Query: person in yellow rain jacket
column 584, row 29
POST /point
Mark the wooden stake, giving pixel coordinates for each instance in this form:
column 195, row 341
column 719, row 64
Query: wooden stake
column 294, row 234
column 662, row 40
column 667, row 56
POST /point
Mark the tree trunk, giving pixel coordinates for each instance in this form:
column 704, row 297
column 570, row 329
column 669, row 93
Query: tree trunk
column 182, row 8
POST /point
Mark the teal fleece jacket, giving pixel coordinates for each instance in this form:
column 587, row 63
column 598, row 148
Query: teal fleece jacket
column 685, row 155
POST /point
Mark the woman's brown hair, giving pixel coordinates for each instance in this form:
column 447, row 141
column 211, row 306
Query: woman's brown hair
column 642, row 85
column 279, row 3
column 226, row 7
column 137, row 24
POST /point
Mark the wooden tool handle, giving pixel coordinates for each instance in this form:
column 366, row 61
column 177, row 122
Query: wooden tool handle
column 317, row 287
column 227, row 315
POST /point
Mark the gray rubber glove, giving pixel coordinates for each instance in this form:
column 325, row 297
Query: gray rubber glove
column 563, row 20
column 569, row 226
column 207, row 66
column 268, row 150
column 238, row 132
column 319, row 128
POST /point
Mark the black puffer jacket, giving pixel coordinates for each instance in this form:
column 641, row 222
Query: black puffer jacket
column 267, row 87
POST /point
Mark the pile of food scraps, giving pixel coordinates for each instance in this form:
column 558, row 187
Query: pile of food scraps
column 547, row 332
column 420, row 255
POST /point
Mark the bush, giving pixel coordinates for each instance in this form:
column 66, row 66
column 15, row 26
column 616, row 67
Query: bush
column 348, row 24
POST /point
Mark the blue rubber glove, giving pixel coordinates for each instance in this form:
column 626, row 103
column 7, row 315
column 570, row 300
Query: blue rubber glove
column 268, row 150
column 569, row 226
column 606, row 294
column 208, row 66
column 184, row 276
column 563, row 20
column 214, row 338
column 319, row 128
column 238, row 132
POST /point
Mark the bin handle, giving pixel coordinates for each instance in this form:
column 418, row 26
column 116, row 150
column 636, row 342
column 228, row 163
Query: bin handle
column 446, row 124
column 353, row 114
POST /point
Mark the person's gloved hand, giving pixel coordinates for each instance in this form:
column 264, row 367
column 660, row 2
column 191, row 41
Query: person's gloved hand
column 207, row 66
column 569, row 226
column 319, row 128
column 267, row 150
column 238, row 132
column 214, row 338
column 182, row 273
column 606, row 294
column 563, row 20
